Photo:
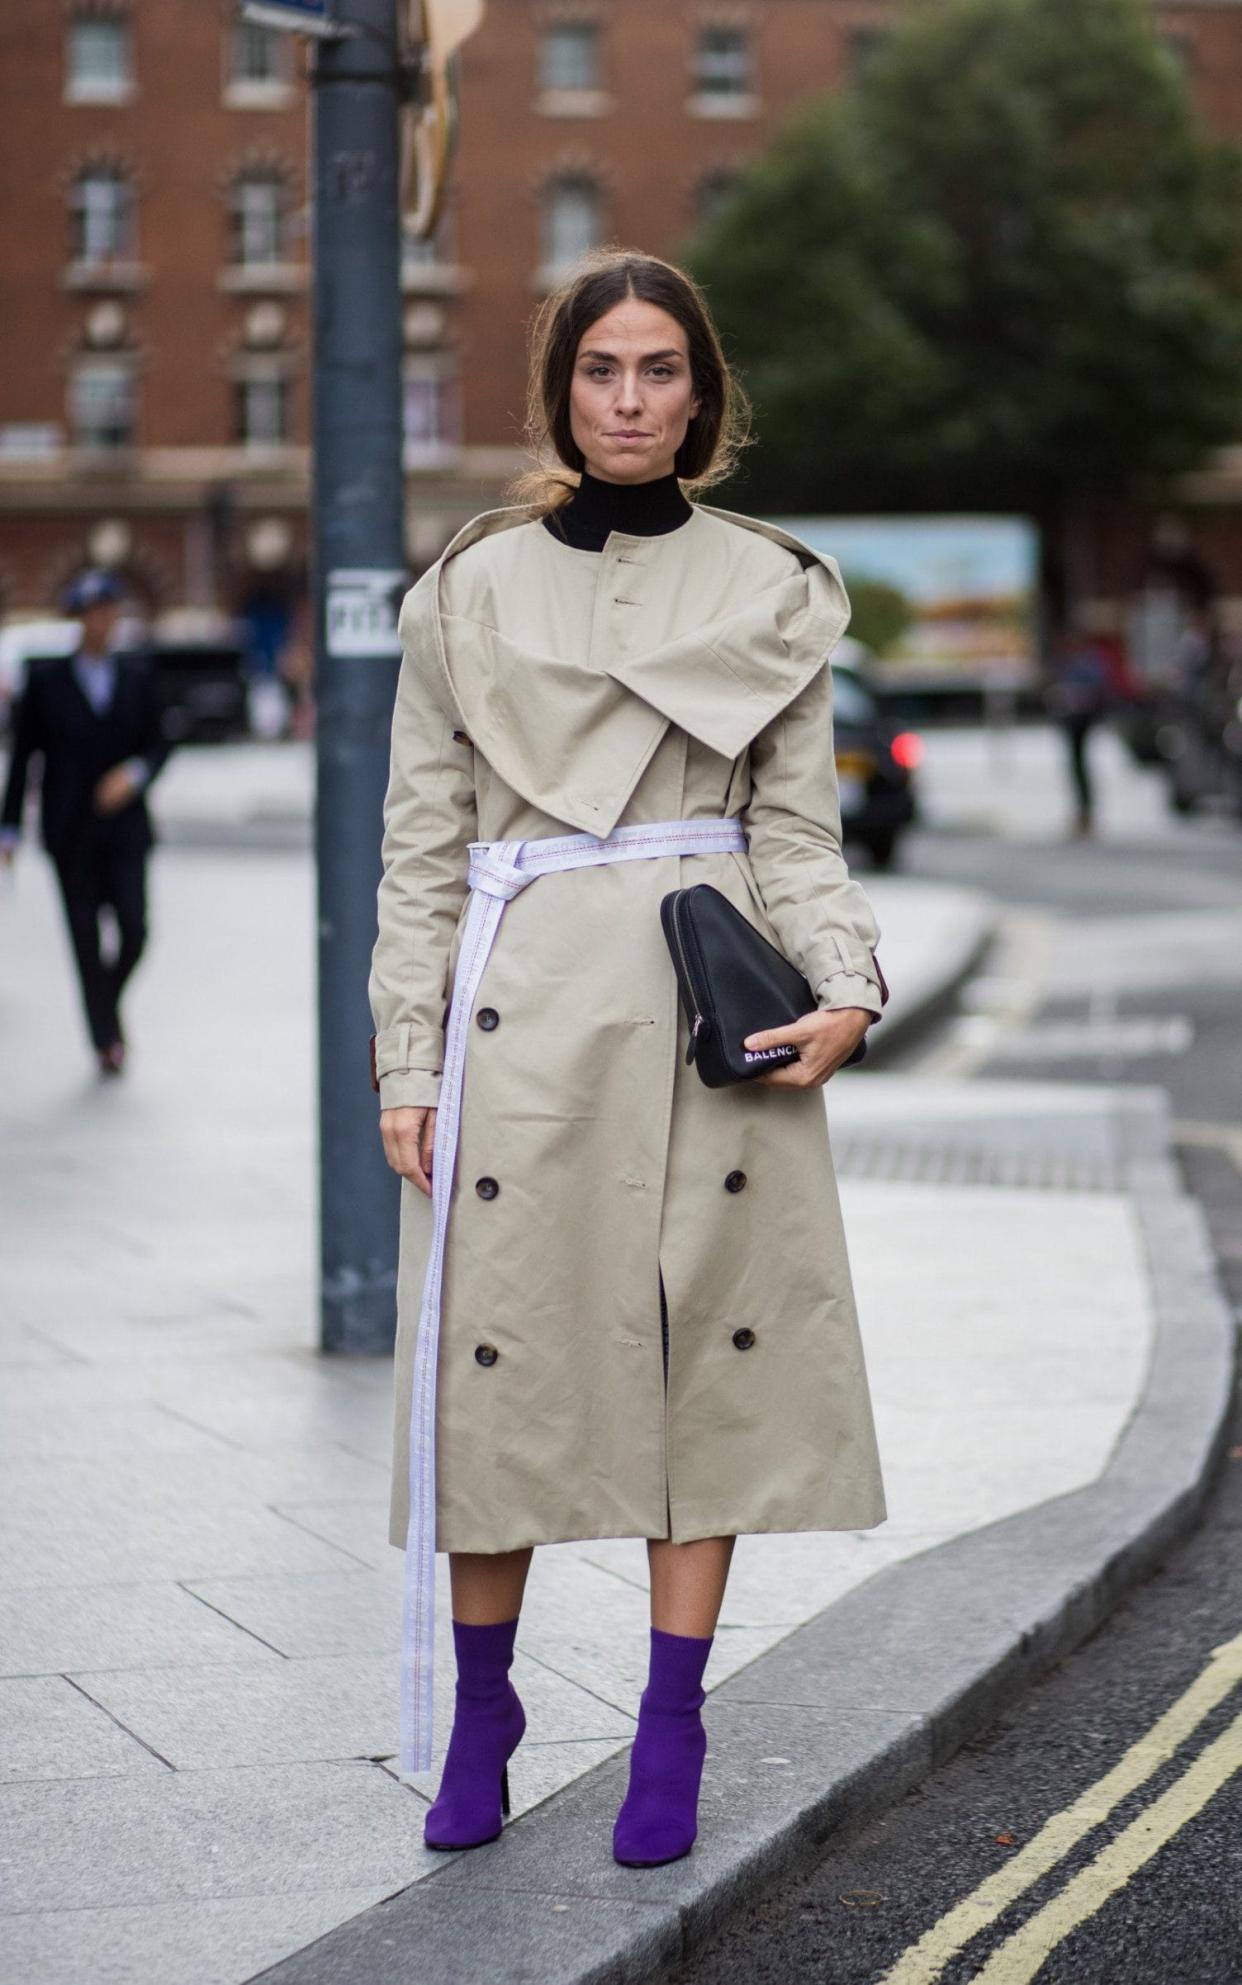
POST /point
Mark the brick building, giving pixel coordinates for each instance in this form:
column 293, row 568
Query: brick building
column 154, row 344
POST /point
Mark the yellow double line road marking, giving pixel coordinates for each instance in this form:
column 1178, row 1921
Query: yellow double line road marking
column 1020, row 1957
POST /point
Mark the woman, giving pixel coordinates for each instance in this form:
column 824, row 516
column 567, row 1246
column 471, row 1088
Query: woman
column 638, row 1320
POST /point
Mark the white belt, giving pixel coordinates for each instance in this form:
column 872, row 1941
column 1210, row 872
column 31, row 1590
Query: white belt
column 498, row 870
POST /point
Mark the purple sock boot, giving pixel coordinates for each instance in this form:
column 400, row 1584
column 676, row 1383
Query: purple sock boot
column 658, row 1819
column 488, row 1723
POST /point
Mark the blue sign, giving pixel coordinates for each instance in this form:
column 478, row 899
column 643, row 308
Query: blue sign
column 302, row 16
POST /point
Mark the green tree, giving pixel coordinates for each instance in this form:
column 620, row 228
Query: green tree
column 1001, row 272
column 880, row 613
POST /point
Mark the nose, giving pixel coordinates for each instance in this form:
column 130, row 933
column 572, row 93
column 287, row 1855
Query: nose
column 629, row 396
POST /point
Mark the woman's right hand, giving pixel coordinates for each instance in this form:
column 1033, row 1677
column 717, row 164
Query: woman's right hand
column 408, row 1135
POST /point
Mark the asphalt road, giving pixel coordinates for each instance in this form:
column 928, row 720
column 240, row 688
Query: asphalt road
column 1121, row 961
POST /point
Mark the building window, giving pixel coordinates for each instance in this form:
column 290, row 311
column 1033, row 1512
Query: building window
column 257, row 54
column 570, row 220
column 98, row 66
column 257, row 67
column 569, row 56
column 714, row 192
column 101, row 404
column 430, row 411
column 722, row 63
column 102, row 217
column 263, row 410
column 260, row 216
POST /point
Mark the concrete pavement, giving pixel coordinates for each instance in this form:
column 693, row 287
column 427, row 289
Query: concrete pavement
column 197, row 1606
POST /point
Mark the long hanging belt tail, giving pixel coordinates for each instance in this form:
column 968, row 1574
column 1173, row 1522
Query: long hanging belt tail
column 498, row 870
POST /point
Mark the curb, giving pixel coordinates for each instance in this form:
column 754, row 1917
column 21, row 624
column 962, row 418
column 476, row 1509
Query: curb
column 856, row 1706
column 914, row 1019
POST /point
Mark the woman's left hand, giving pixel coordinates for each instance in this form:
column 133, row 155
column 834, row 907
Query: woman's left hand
column 824, row 1039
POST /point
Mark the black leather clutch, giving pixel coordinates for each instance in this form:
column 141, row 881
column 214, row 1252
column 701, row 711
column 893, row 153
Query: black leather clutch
column 732, row 983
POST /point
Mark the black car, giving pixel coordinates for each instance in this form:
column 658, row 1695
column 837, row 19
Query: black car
column 875, row 764
column 202, row 689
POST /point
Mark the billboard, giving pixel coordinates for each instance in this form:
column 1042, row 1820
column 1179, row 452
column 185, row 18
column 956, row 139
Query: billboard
column 937, row 598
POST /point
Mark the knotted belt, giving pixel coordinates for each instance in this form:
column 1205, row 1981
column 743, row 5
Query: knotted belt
column 498, row 870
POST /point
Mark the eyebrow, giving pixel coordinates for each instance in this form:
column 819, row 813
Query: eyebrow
column 647, row 358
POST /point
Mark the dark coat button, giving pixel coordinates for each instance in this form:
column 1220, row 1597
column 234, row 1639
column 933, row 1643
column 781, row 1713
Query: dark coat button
column 743, row 1338
column 485, row 1354
column 735, row 1181
column 460, row 737
column 486, row 1188
column 487, row 1018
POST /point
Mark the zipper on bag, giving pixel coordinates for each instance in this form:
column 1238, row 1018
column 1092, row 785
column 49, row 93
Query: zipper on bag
column 701, row 1021
column 689, row 996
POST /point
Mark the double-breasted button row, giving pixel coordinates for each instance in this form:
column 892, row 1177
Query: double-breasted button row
column 486, row 1187
column 487, row 1018
column 734, row 1181
column 485, row 1354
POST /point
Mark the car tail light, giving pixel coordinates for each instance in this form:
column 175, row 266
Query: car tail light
column 907, row 749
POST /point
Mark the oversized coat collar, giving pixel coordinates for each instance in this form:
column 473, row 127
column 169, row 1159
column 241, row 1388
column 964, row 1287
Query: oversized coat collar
column 575, row 740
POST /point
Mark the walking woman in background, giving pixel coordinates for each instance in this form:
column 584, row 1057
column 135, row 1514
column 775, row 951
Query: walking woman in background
column 624, row 1302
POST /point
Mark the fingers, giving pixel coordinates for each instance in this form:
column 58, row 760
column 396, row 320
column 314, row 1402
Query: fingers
column 777, row 1037
column 408, row 1136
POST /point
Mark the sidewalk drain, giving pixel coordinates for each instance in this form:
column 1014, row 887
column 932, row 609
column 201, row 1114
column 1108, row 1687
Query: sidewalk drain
column 964, row 1164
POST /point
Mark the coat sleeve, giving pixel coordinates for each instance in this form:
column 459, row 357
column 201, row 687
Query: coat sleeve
column 793, row 823
column 429, row 820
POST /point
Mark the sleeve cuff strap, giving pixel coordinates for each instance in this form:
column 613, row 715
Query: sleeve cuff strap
column 849, row 989
column 406, row 1045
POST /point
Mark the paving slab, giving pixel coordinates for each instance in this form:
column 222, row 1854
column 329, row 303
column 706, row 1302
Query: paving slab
column 179, row 1836
column 221, row 1942
column 54, row 1730
column 338, row 1707
column 45, row 1631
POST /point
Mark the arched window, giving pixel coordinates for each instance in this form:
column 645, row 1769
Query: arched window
column 102, row 216
column 260, row 217
column 570, row 220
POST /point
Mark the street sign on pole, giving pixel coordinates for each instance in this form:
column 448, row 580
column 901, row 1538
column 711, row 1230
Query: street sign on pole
column 301, row 16
column 359, row 574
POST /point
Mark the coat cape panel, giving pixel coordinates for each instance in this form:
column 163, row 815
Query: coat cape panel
column 573, row 738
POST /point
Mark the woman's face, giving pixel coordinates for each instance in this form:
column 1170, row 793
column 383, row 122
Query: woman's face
column 631, row 397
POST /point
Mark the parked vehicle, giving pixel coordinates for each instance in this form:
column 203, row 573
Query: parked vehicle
column 203, row 689
column 875, row 766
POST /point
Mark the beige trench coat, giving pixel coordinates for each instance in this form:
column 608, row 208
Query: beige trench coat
column 541, row 688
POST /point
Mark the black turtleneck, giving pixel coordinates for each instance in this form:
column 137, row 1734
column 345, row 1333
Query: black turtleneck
column 639, row 509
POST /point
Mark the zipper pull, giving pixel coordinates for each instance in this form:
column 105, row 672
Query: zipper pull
column 692, row 1044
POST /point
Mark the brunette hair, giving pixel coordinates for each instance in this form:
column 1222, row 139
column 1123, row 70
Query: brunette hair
column 597, row 281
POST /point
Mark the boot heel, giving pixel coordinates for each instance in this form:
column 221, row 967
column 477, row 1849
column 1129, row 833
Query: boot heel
column 504, row 1791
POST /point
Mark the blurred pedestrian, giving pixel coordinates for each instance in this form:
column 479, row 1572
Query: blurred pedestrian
column 94, row 721
column 638, row 1320
column 1079, row 695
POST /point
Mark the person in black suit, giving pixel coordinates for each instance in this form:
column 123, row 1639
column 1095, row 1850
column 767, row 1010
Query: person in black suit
column 94, row 719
